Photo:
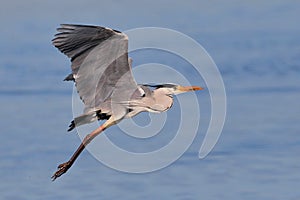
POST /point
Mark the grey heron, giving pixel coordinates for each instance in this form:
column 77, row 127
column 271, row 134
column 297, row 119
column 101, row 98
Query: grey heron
column 102, row 72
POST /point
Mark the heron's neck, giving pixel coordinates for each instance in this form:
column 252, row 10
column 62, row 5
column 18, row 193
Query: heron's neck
column 162, row 101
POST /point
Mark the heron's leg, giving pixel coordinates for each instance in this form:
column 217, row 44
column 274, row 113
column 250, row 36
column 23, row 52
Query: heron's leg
column 63, row 168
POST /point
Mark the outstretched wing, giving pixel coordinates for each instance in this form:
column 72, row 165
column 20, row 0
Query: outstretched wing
column 100, row 65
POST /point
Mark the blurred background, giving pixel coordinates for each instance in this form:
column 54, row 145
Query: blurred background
column 256, row 47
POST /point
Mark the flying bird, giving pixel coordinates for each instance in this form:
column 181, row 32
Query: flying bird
column 102, row 72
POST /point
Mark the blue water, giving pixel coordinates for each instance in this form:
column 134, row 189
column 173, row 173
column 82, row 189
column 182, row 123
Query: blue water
column 257, row 49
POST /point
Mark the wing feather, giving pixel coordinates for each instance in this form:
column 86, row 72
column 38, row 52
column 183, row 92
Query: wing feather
column 100, row 65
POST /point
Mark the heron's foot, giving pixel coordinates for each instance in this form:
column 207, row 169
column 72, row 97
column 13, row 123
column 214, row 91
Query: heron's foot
column 61, row 169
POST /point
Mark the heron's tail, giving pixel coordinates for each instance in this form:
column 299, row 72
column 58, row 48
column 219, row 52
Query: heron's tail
column 72, row 125
column 88, row 118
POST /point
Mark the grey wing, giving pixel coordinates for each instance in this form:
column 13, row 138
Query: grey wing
column 100, row 65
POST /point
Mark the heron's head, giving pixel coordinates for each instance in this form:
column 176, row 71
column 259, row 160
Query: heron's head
column 172, row 89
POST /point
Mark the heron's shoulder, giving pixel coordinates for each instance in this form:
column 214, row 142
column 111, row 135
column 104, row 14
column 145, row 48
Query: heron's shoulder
column 117, row 33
